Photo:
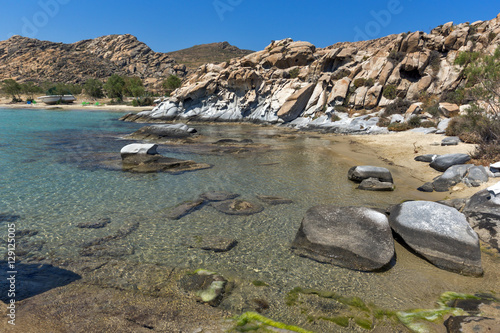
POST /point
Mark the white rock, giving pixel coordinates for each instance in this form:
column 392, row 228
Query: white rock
column 139, row 148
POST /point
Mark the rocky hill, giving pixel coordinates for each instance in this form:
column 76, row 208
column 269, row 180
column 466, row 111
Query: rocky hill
column 297, row 82
column 198, row 55
column 26, row 59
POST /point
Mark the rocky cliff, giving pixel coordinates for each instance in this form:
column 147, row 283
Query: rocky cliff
column 297, row 82
column 26, row 59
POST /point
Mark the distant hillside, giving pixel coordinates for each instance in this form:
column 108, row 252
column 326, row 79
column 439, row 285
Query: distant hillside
column 27, row 59
column 198, row 55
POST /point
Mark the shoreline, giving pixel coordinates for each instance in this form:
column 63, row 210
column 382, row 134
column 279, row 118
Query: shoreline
column 395, row 150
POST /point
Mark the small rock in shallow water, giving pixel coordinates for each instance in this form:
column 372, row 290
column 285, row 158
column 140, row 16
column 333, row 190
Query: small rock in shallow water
column 237, row 207
column 100, row 223
column 207, row 287
column 359, row 173
column 107, row 251
column 218, row 196
column 9, row 217
column 274, row 200
column 373, row 184
column 184, row 209
column 209, row 243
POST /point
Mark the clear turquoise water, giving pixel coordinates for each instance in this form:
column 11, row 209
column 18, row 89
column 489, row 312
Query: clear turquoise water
column 50, row 178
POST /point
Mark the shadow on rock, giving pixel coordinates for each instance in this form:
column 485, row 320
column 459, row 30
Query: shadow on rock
column 32, row 279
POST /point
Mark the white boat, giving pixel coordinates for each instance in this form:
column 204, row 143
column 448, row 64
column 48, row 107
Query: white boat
column 55, row 99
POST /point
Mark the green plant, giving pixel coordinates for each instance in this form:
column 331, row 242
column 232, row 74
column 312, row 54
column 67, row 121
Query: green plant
column 114, row 87
column 414, row 122
column 294, row 73
column 390, row 91
column 491, row 36
column 12, row 88
column 370, row 82
column 340, row 73
column 399, row 106
column 133, row 87
column 396, row 57
column 359, row 82
column 383, row 122
column 433, row 109
column 171, row 83
column 457, row 96
column 435, row 60
column 30, row 89
column 93, row 88
column 427, row 124
column 398, row 127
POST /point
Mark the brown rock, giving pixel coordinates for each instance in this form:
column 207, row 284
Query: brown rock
column 449, row 110
column 296, row 103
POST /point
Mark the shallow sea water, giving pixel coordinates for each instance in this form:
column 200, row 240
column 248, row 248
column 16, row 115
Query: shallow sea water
column 50, row 178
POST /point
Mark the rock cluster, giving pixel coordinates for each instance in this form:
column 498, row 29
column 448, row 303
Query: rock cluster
column 293, row 81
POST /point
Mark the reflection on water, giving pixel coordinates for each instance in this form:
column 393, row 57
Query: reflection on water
column 51, row 179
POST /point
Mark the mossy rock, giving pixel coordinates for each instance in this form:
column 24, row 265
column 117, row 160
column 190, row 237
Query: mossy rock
column 207, row 287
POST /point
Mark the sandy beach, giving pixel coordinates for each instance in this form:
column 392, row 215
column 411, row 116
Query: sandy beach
column 77, row 105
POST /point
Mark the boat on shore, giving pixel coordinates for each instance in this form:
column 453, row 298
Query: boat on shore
column 57, row 99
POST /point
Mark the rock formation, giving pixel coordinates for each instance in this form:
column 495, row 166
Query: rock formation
column 291, row 81
column 27, row 59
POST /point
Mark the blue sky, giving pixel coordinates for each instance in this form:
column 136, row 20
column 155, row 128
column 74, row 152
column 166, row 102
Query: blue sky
column 169, row 25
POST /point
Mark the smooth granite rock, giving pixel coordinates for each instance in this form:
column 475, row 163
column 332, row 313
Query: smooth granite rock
column 476, row 176
column 451, row 177
column 483, row 213
column 359, row 173
column 450, row 141
column 167, row 131
column 426, row 158
column 352, row 237
column 427, row 187
column 443, row 162
column 139, row 148
column 373, row 184
column 440, row 233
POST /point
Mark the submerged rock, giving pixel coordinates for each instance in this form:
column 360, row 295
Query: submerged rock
column 272, row 200
column 211, row 243
column 218, row 196
column 360, row 173
column 145, row 163
column 351, row 237
column 443, row 162
column 184, row 209
column 440, row 233
column 373, row 184
column 172, row 131
column 207, row 287
column 100, row 223
column 237, row 207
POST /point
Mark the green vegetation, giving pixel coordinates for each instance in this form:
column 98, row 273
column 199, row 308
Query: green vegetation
column 414, row 122
column 398, row 127
column 294, row 73
column 171, row 83
column 435, row 60
column 396, row 57
column 30, row 89
column 399, row 106
column 93, row 88
column 252, row 321
column 259, row 283
column 114, row 87
column 480, row 125
column 12, row 88
column 390, row 91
